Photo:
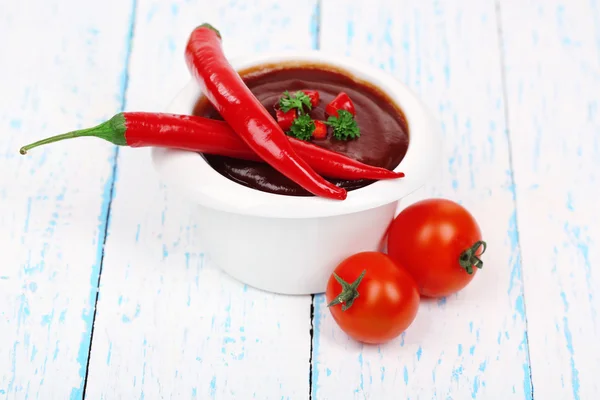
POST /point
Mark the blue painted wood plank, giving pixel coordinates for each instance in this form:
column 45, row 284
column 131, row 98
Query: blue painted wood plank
column 473, row 344
column 63, row 73
column 170, row 324
column 552, row 59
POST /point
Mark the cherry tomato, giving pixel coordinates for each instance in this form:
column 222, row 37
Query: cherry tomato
column 286, row 119
column 340, row 102
column 371, row 298
column 320, row 131
column 439, row 243
column 314, row 97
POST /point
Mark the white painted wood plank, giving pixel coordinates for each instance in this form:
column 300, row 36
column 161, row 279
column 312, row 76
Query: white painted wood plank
column 471, row 345
column 169, row 324
column 552, row 58
column 57, row 72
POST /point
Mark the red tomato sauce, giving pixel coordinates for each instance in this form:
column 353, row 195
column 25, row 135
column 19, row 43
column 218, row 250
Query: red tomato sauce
column 383, row 140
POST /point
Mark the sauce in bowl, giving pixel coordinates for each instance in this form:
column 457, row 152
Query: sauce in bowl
column 383, row 140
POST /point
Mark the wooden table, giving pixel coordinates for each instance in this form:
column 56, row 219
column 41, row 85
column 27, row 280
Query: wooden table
column 105, row 291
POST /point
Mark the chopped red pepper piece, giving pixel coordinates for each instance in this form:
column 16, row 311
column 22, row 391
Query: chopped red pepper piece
column 340, row 102
column 285, row 119
column 314, row 97
column 320, row 131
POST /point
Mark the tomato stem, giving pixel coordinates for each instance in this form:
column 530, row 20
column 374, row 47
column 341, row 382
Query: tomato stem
column 349, row 292
column 469, row 259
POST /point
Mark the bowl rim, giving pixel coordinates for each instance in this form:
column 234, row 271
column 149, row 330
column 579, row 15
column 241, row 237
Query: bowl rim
column 209, row 188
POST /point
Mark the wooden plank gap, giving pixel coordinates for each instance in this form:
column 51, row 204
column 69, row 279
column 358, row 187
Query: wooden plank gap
column 111, row 183
column 312, row 336
column 315, row 28
column 516, row 238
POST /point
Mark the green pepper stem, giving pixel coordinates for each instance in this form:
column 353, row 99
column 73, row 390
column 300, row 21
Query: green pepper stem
column 112, row 130
column 469, row 259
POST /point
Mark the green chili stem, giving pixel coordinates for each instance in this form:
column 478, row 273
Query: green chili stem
column 112, row 130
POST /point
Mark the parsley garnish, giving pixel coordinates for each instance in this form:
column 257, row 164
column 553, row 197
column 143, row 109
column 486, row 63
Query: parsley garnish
column 344, row 126
column 297, row 100
column 302, row 127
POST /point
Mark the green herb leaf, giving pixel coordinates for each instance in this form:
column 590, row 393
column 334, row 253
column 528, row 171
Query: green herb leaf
column 302, row 127
column 344, row 126
column 297, row 100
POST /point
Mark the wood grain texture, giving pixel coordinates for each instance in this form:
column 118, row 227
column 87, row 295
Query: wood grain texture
column 169, row 323
column 58, row 73
column 552, row 59
column 473, row 344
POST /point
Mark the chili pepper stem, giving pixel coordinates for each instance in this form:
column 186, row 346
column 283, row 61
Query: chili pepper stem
column 209, row 26
column 349, row 292
column 468, row 258
column 112, row 130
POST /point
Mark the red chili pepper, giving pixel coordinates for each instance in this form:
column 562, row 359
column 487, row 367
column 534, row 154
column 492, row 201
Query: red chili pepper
column 286, row 119
column 204, row 135
column 340, row 102
column 320, row 131
column 227, row 92
column 314, row 97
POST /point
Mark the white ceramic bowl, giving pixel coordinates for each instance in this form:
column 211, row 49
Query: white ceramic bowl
column 291, row 244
